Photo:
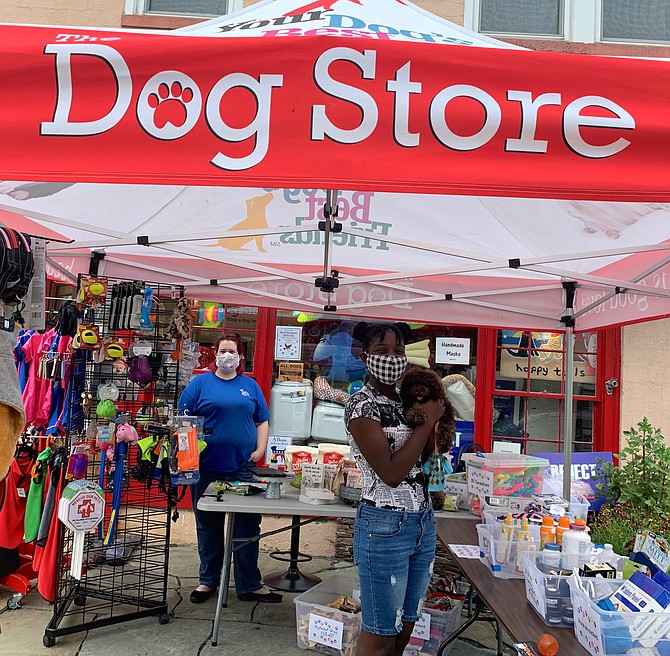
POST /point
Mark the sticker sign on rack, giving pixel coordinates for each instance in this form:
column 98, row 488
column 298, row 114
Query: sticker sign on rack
column 422, row 627
column 325, row 631
column 480, row 481
column 81, row 508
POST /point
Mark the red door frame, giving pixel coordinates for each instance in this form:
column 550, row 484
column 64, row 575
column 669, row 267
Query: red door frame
column 264, row 351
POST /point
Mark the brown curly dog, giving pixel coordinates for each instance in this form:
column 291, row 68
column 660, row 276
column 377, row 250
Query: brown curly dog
column 419, row 385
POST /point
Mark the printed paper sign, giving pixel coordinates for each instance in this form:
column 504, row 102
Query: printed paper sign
column 468, row 551
column 452, row 350
column 288, row 342
column 535, row 588
column 292, row 371
column 422, row 627
column 299, row 396
column 480, row 481
column 325, row 631
column 276, row 451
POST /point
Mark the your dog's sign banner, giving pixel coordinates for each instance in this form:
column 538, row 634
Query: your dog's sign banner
column 351, row 112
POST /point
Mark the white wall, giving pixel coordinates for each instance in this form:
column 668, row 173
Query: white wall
column 645, row 376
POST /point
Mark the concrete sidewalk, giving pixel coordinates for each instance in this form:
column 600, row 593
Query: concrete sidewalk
column 246, row 628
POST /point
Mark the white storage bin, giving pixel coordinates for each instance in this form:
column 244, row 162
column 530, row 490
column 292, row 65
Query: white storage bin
column 328, row 423
column 291, row 409
column 549, row 595
column 342, row 629
column 500, row 556
column 610, row 633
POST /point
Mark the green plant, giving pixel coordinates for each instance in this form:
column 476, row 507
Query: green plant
column 618, row 524
column 642, row 478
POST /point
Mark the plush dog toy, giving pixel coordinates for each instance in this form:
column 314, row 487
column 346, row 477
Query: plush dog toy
column 417, row 386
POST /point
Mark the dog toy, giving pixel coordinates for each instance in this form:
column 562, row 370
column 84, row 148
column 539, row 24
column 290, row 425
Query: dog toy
column 418, row 353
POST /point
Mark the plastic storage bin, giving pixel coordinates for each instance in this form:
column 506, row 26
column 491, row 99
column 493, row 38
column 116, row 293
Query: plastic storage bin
column 500, row 556
column 548, row 595
column 442, row 624
column 341, row 630
column 492, row 474
column 610, row 633
column 328, row 423
column 291, row 409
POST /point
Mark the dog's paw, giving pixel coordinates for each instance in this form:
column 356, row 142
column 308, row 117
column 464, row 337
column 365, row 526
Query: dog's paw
column 415, row 416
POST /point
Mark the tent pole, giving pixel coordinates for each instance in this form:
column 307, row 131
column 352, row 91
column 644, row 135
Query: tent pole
column 568, row 369
column 569, row 289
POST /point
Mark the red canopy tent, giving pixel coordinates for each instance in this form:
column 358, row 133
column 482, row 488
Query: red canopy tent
column 483, row 184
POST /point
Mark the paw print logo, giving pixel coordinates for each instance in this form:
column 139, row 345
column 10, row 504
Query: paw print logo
column 376, row 296
column 169, row 105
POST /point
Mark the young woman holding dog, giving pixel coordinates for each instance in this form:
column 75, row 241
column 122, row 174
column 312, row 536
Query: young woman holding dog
column 394, row 532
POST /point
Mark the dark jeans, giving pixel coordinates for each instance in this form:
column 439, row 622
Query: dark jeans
column 210, row 530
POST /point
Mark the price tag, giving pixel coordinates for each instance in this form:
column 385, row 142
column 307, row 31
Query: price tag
column 422, row 627
column 325, row 631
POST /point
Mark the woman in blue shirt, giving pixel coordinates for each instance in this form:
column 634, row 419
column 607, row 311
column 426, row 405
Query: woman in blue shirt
column 236, row 416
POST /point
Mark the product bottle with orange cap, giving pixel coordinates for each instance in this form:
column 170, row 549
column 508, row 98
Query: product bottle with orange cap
column 547, row 531
column 563, row 526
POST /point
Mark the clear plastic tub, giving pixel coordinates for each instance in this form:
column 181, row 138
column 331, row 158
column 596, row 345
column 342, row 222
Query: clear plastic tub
column 442, row 624
column 314, row 602
column 549, row 595
column 503, row 557
column 610, row 633
column 504, row 474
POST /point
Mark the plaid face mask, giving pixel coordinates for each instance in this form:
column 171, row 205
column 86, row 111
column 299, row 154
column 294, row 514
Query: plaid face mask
column 386, row 369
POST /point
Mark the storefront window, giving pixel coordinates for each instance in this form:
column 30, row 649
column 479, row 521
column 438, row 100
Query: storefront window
column 328, row 352
column 210, row 320
column 529, row 368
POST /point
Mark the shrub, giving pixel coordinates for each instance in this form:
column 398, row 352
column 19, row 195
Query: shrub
column 642, row 478
column 618, row 524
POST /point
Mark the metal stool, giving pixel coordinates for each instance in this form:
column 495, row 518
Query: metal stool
column 292, row 580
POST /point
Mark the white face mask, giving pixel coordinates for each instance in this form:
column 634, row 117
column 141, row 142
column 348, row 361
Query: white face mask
column 227, row 362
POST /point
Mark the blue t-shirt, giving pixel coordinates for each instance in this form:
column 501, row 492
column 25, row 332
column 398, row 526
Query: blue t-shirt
column 231, row 410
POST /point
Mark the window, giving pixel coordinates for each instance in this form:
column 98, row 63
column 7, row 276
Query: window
column 181, row 8
column 532, row 17
column 581, row 21
column 188, row 7
column 642, row 20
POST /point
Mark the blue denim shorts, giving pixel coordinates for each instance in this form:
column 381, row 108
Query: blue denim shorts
column 394, row 552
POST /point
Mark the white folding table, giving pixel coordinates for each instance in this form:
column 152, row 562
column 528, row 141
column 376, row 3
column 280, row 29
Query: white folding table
column 231, row 504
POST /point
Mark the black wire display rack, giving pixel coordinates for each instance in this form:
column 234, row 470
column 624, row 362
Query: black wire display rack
column 125, row 572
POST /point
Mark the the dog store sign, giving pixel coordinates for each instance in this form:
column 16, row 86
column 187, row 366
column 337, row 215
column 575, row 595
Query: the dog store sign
column 452, row 350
